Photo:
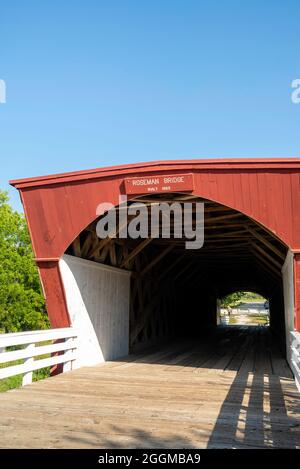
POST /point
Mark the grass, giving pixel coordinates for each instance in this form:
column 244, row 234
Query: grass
column 10, row 383
column 254, row 319
column 16, row 381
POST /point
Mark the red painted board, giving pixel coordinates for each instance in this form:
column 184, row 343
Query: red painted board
column 59, row 207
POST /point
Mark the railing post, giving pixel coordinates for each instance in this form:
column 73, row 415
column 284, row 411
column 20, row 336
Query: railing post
column 67, row 366
column 27, row 377
column 22, row 361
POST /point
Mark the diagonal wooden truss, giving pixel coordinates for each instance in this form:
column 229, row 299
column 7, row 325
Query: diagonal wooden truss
column 159, row 266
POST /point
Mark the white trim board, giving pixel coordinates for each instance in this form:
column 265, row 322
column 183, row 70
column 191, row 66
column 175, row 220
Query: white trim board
column 95, row 265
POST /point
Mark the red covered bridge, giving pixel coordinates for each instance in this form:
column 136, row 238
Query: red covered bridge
column 155, row 302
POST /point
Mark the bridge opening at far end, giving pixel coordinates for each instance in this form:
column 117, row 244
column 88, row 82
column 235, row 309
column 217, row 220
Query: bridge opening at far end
column 243, row 309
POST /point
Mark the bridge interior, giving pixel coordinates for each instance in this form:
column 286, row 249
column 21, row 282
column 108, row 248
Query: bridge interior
column 174, row 291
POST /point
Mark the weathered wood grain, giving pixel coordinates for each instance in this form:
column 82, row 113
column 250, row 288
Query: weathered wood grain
column 230, row 390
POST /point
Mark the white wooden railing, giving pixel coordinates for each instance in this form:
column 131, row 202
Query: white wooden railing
column 34, row 348
column 294, row 356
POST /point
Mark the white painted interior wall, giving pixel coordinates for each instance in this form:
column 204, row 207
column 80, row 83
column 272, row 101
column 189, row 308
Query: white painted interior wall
column 292, row 337
column 98, row 303
column 295, row 356
column 288, row 291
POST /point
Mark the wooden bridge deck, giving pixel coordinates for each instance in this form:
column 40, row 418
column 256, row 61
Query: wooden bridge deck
column 234, row 390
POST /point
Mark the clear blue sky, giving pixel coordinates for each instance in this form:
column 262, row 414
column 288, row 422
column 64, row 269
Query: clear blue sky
column 94, row 83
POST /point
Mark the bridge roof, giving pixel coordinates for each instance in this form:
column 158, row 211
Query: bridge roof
column 172, row 165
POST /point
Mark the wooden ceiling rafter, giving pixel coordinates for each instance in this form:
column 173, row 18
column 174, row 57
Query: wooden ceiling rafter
column 230, row 237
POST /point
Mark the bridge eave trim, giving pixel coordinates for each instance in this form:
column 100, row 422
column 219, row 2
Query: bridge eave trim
column 239, row 164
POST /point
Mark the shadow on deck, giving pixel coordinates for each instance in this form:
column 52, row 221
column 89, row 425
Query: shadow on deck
column 231, row 390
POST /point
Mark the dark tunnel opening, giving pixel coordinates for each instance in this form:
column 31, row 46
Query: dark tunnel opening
column 175, row 291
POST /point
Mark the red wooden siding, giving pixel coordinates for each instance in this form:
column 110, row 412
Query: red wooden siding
column 59, row 207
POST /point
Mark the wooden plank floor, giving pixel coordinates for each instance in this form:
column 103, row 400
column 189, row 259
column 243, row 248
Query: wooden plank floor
column 231, row 390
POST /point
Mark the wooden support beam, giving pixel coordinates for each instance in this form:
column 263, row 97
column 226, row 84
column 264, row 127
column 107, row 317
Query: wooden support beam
column 171, row 266
column 266, row 255
column 231, row 234
column 157, row 259
column 269, row 270
column 266, row 263
column 91, row 226
column 112, row 253
column 186, row 198
column 185, row 268
column 211, row 209
column 211, row 246
column 87, row 244
column 102, row 256
column 224, row 217
column 219, row 227
column 192, row 274
column 76, row 247
column 103, row 242
column 136, row 251
column 266, row 242
column 144, row 315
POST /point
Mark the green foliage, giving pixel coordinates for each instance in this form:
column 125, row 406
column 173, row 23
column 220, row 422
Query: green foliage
column 22, row 305
column 16, row 381
column 236, row 298
column 252, row 297
column 232, row 300
column 10, row 383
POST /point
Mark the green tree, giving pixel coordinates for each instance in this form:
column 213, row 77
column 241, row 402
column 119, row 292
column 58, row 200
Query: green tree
column 232, row 300
column 22, row 305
